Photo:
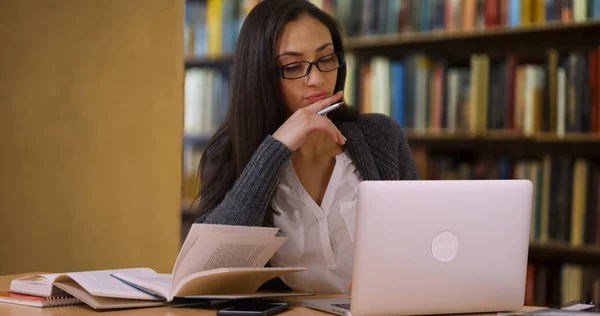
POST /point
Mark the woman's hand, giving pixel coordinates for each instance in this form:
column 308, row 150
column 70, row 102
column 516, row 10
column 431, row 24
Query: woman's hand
column 294, row 131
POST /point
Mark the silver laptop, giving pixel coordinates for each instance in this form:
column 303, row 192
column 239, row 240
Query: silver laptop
column 438, row 247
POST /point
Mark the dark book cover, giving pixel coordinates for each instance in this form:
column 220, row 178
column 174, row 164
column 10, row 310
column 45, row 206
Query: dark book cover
column 509, row 83
column 550, row 101
column 438, row 15
column 541, row 286
column 415, row 18
column 368, row 17
column 444, row 93
column 573, row 122
column 583, row 106
column 591, row 214
column 560, row 198
column 355, row 20
column 409, row 91
column 405, row 16
column 497, row 95
column 594, row 93
column 380, row 20
column 564, row 199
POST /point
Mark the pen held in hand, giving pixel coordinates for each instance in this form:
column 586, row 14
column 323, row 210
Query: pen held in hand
column 330, row 108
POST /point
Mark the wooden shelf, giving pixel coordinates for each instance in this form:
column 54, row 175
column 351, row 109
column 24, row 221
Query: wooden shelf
column 500, row 135
column 526, row 41
column 219, row 62
column 556, row 252
column 499, row 141
column 554, row 31
column 529, row 40
column 198, row 141
column 508, row 144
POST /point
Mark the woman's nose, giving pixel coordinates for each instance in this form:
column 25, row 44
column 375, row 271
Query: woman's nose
column 315, row 76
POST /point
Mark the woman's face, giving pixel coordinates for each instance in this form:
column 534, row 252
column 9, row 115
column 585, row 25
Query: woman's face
column 306, row 39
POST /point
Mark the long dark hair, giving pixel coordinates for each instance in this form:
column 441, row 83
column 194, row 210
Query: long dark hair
column 255, row 106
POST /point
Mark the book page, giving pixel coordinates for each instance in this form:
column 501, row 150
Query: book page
column 103, row 303
column 198, row 229
column 238, row 282
column 101, row 283
column 38, row 284
column 159, row 283
column 218, row 250
column 46, row 279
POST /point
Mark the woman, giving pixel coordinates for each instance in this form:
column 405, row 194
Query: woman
column 275, row 161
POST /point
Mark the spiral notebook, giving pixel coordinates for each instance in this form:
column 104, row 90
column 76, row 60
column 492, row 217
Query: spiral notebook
column 37, row 301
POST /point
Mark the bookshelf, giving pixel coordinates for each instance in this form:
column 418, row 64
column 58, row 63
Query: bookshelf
column 548, row 47
column 557, row 252
column 503, row 143
column 457, row 43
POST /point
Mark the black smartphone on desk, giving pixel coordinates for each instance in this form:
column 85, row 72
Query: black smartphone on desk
column 253, row 308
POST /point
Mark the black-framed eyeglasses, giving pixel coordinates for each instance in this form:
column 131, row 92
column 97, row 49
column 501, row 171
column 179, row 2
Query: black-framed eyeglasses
column 301, row 69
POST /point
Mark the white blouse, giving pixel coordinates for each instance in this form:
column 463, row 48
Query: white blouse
column 320, row 238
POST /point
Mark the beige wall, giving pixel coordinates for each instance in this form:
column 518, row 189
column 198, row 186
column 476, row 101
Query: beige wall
column 91, row 105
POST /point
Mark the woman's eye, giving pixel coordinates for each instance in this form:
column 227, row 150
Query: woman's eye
column 327, row 60
column 292, row 67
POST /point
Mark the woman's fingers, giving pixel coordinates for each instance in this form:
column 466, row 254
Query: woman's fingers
column 323, row 123
column 304, row 121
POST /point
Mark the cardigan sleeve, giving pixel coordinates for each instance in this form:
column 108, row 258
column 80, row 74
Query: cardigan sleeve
column 246, row 202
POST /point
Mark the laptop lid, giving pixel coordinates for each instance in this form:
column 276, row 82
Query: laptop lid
column 438, row 247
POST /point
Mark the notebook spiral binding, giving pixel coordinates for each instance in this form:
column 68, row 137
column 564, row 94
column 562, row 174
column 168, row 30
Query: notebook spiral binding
column 56, row 301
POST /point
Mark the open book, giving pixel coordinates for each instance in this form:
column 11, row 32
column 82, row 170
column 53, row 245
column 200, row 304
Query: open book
column 215, row 262
column 98, row 289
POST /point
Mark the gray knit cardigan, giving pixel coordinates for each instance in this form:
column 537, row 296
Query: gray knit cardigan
column 375, row 142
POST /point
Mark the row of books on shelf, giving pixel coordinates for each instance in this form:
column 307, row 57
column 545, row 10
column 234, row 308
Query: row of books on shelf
column 558, row 94
column 205, row 100
column 379, row 17
column 211, row 27
column 565, row 200
column 190, row 179
column 557, row 284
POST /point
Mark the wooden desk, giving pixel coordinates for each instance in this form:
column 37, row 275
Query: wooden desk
column 18, row 310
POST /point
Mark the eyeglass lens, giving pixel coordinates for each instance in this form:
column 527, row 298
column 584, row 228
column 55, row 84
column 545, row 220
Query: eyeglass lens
column 299, row 69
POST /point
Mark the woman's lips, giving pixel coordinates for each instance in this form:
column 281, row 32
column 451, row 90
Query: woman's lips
column 316, row 96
